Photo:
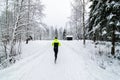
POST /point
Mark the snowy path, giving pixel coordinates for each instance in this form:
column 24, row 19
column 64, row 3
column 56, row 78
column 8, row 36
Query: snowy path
column 72, row 64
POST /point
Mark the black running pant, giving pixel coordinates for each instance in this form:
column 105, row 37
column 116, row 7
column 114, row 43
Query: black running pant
column 56, row 52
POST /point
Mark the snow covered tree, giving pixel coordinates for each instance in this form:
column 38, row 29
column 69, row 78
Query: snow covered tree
column 78, row 19
column 14, row 21
column 60, row 33
column 104, row 20
column 93, row 16
column 56, row 33
column 64, row 34
column 52, row 32
column 113, row 21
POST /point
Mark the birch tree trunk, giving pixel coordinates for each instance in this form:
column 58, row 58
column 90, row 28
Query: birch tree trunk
column 83, row 22
column 28, row 22
column 7, row 35
column 12, row 42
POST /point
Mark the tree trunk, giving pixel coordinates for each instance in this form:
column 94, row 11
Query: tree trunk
column 12, row 43
column 83, row 22
column 7, row 17
column 94, row 37
column 27, row 27
column 5, row 44
column 113, row 42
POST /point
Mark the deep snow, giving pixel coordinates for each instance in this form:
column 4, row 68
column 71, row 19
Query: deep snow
column 75, row 62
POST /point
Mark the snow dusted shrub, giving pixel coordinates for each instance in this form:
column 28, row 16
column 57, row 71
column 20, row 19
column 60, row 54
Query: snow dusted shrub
column 103, row 56
column 11, row 57
column 117, row 51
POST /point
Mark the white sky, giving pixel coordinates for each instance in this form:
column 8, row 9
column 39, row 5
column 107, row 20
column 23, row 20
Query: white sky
column 57, row 12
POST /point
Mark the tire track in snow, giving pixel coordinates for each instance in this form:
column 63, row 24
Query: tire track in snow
column 34, row 62
column 79, row 71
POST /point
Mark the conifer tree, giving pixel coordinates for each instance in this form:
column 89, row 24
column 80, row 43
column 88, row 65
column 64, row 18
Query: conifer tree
column 104, row 21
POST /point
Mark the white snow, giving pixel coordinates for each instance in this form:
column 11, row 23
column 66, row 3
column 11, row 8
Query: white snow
column 110, row 16
column 116, row 32
column 111, row 23
column 104, row 32
column 118, row 23
column 113, row 2
column 75, row 62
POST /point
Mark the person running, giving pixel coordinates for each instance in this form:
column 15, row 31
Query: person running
column 56, row 44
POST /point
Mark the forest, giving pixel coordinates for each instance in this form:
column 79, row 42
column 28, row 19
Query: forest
column 20, row 19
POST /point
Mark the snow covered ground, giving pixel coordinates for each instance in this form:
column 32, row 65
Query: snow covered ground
column 75, row 62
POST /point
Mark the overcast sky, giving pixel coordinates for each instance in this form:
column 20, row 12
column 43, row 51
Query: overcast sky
column 57, row 12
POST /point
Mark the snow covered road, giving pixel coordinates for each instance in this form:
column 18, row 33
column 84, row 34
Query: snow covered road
column 73, row 63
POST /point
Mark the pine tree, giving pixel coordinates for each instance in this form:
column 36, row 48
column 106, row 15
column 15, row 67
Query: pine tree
column 56, row 33
column 64, row 34
column 113, row 20
column 104, row 20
